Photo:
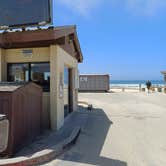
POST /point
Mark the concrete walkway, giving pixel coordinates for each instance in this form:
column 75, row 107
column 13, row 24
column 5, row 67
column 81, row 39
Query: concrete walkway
column 125, row 129
column 50, row 139
column 49, row 145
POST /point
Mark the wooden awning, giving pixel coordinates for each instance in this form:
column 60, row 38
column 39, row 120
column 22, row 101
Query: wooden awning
column 65, row 36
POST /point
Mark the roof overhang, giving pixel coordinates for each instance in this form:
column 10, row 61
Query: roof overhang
column 44, row 38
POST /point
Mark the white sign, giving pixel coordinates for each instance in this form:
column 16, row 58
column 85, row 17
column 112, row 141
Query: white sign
column 27, row 53
column 84, row 79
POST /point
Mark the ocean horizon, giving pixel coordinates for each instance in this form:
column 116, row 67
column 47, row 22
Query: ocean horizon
column 135, row 83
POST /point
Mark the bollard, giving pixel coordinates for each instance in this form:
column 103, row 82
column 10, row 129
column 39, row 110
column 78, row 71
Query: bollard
column 143, row 90
column 153, row 89
column 140, row 87
column 159, row 89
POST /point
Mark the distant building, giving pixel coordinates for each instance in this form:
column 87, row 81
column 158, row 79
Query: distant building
column 94, row 83
column 164, row 73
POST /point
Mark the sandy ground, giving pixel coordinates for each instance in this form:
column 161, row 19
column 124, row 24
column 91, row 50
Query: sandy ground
column 125, row 129
column 124, row 90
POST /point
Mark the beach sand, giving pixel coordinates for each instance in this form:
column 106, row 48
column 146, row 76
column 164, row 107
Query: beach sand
column 130, row 89
column 124, row 90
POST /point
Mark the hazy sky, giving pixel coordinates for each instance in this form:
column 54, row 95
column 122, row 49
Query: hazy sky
column 125, row 38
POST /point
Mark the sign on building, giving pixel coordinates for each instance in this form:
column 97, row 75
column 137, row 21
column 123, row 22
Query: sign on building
column 84, row 79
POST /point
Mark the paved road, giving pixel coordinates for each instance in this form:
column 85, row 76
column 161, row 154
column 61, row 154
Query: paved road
column 125, row 129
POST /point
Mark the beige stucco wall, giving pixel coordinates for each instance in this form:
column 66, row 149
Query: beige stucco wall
column 16, row 55
column 59, row 59
column 53, row 102
column 3, row 67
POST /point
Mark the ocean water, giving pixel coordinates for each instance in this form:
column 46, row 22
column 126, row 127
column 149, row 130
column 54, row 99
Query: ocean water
column 135, row 83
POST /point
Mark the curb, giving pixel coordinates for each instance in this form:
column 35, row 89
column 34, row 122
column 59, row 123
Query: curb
column 45, row 155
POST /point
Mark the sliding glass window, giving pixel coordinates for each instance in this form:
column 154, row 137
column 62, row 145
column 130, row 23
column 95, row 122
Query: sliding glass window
column 38, row 73
column 18, row 72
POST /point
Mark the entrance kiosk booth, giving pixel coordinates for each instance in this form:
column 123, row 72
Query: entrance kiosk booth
column 49, row 58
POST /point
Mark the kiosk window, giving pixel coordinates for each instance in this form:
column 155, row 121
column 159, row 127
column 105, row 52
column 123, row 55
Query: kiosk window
column 18, row 73
column 39, row 73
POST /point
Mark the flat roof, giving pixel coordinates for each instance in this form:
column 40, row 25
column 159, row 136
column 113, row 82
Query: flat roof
column 13, row 86
column 2, row 117
column 10, row 87
column 63, row 36
column 7, row 88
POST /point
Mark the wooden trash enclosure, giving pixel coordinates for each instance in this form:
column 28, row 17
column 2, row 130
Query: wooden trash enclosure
column 22, row 105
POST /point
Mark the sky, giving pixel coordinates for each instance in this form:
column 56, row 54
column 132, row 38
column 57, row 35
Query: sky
column 124, row 38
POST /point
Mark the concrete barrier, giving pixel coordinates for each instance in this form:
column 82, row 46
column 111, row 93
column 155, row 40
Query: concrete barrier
column 4, row 130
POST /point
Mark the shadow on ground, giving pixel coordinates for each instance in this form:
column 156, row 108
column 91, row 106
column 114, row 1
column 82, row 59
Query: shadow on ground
column 91, row 142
